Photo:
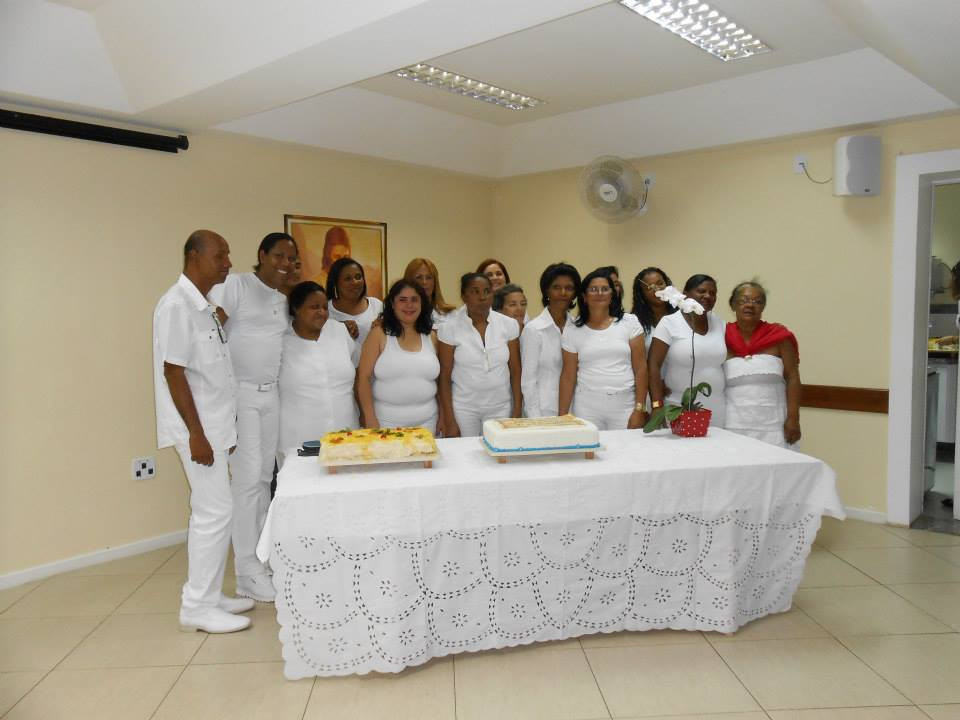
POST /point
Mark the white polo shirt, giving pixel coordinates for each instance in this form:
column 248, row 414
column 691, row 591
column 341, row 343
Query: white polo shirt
column 541, row 362
column 604, row 358
column 256, row 321
column 481, row 376
column 186, row 333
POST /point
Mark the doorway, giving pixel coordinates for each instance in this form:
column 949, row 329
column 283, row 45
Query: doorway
column 943, row 345
column 916, row 177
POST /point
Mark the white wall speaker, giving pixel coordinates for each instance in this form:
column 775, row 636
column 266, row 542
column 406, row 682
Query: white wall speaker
column 857, row 165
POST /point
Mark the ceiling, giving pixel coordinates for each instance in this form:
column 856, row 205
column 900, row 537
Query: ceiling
column 319, row 72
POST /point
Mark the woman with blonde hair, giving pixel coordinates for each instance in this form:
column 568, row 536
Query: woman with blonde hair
column 423, row 273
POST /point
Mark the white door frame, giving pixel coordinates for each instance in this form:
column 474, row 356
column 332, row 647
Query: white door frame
column 913, row 200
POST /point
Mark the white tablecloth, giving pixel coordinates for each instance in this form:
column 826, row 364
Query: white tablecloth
column 385, row 567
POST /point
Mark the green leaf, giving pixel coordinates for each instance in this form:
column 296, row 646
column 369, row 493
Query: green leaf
column 673, row 412
column 656, row 420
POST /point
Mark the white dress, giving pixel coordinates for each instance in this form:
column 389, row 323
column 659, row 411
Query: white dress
column 541, row 363
column 405, row 385
column 316, row 385
column 709, row 351
column 363, row 320
column 756, row 396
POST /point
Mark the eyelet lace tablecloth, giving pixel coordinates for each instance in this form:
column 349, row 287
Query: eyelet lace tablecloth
column 389, row 566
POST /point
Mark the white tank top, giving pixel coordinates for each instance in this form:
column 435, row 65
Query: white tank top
column 402, row 378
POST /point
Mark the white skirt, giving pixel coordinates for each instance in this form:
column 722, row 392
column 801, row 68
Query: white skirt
column 756, row 398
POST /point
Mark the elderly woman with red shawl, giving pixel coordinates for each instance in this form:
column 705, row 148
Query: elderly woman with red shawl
column 762, row 372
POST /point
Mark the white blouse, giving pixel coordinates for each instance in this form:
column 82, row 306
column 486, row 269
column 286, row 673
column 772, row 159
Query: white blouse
column 604, row 358
column 481, row 376
column 708, row 351
column 363, row 320
column 541, row 362
column 316, row 385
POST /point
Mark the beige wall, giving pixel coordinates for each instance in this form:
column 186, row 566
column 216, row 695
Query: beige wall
column 741, row 212
column 92, row 236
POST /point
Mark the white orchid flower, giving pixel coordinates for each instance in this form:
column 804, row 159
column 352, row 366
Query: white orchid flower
column 676, row 298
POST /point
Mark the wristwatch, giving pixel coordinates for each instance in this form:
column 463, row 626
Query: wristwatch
column 640, row 407
column 656, row 404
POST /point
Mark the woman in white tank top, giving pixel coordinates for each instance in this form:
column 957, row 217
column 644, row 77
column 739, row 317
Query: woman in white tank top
column 397, row 376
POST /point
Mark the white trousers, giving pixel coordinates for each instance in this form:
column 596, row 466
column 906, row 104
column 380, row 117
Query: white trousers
column 608, row 411
column 208, row 537
column 471, row 419
column 251, row 470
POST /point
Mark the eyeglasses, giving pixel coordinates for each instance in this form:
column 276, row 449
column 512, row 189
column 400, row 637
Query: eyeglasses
column 216, row 319
column 599, row 290
column 751, row 301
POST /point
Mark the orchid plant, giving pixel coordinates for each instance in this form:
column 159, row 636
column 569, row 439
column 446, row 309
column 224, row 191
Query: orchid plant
column 688, row 403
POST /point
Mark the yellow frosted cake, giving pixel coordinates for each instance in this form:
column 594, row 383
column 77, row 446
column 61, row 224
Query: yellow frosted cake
column 381, row 444
column 544, row 434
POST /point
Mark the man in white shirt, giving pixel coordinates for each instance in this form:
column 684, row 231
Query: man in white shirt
column 196, row 414
column 256, row 318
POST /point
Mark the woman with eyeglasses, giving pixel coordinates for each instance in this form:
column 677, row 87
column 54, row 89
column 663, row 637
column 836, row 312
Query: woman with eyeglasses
column 317, row 370
column 479, row 362
column 350, row 304
column 397, row 375
column 685, row 342
column 604, row 375
column 762, row 371
column 648, row 308
column 540, row 356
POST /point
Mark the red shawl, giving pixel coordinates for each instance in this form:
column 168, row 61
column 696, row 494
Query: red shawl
column 765, row 336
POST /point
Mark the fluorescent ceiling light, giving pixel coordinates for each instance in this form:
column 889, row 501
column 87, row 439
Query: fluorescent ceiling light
column 468, row 87
column 698, row 23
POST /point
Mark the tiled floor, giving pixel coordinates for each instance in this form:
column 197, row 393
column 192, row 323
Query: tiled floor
column 874, row 635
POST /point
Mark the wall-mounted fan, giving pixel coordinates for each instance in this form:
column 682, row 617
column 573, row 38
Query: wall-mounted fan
column 613, row 190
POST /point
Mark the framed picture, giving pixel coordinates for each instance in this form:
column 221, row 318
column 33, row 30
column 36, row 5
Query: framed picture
column 323, row 240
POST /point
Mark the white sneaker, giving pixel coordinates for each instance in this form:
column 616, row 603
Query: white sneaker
column 257, row 587
column 235, row 604
column 212, row 620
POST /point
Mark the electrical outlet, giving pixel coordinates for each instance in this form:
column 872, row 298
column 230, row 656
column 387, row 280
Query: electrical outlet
column 798, row 163
column 144, row 468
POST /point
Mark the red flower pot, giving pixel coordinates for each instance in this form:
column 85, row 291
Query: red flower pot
column 692, row 423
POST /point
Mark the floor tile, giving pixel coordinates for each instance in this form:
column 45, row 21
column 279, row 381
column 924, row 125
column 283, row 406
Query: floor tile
column 824, row 569
column 114, row 694
column 177, row 564
column 951, row 554
column 942, row 712
column 40, row 643
column 648, row 637
column 900, row 565
column 791, row 624
column 247, row 691
column 922, row 667
column 420, row 693
column 10, row 595
column 142, row 564
column 757, row 715
column 942, row 600
column 528, row 682
column 788, row 674
column 15, row 685
column 75, row 596
column 666, row 680
column 258, row 643
column 856, row 534
column 925, row 538
column 135, row 641
column 905, row 712
column 161, row 594
column 872, row 610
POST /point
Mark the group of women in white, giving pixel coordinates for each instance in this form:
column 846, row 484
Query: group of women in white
column 322, row 358
column 423, row 362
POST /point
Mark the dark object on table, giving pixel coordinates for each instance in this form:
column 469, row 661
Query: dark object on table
column 311, row 448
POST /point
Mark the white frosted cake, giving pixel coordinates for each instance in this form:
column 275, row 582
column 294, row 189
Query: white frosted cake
column 566, row 432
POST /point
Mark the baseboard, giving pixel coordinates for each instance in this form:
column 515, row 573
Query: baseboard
column 871, row 516
column 39, row 572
